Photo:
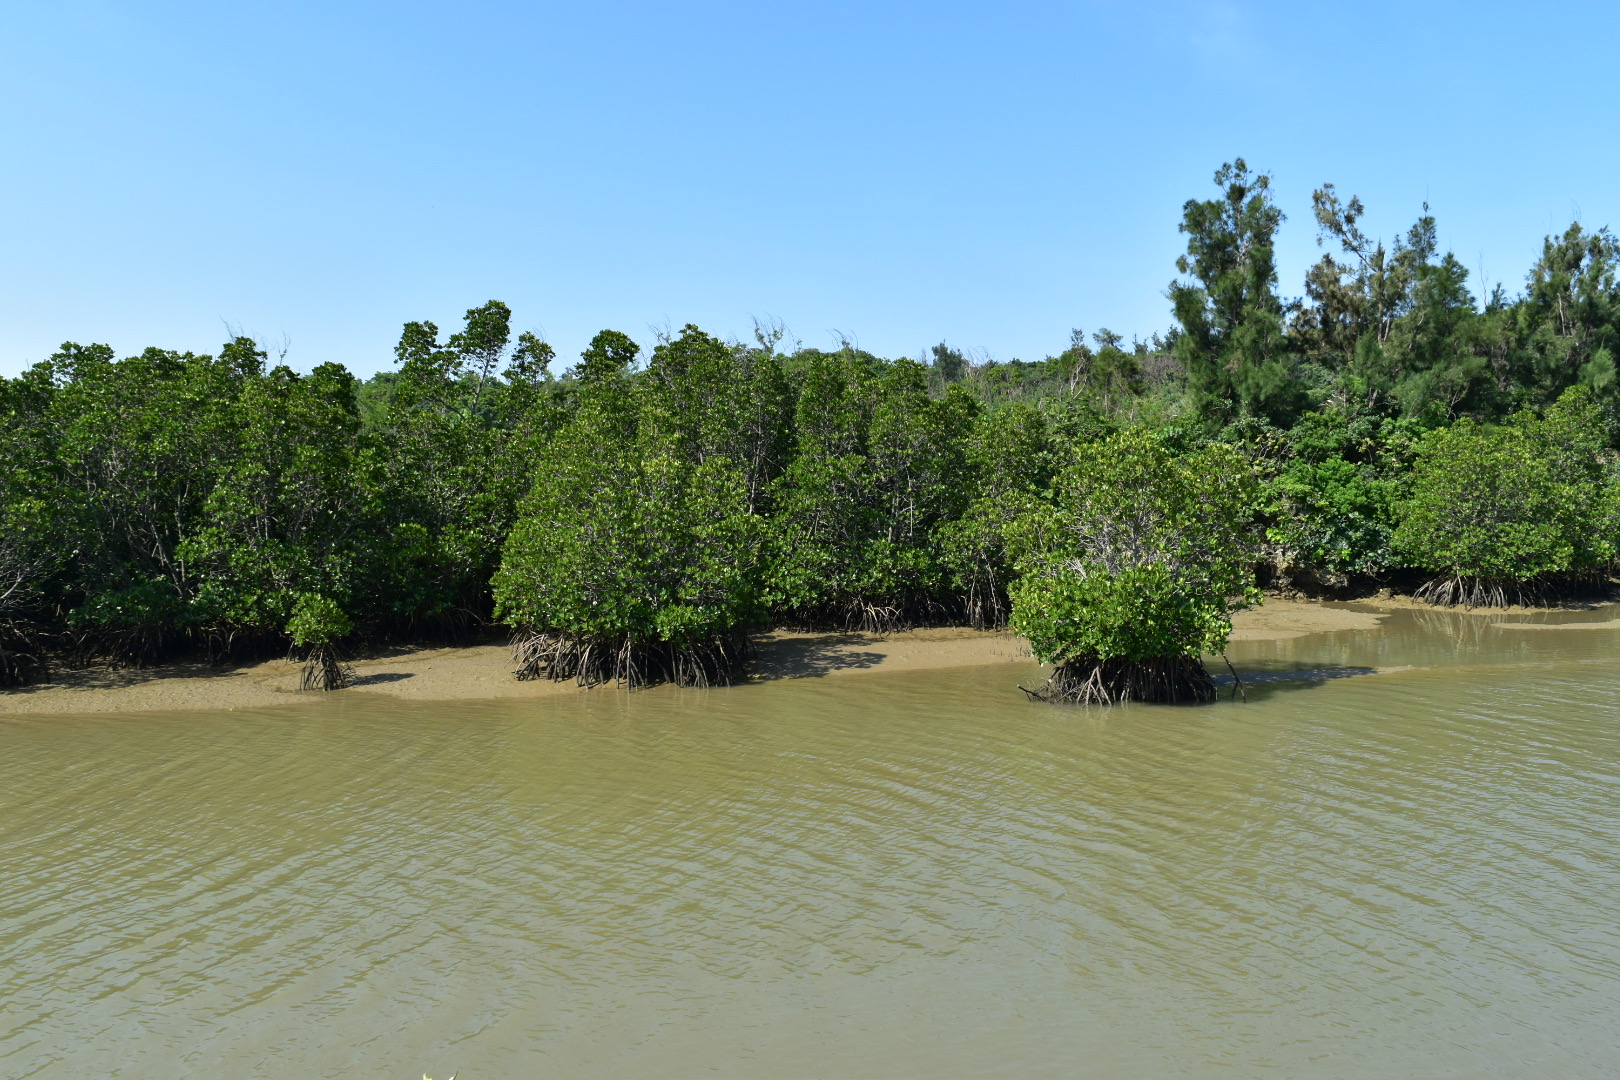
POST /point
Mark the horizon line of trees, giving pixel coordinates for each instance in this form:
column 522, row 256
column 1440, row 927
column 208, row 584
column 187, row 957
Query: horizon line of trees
column 637, row 516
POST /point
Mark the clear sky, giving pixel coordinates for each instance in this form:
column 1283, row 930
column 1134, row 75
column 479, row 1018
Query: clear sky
column 988, row 174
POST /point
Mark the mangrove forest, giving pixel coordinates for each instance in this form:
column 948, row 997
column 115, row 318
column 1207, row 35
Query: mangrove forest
column 636, row 516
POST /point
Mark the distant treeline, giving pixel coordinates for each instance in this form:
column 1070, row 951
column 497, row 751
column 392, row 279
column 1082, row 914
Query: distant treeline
column 637, row 515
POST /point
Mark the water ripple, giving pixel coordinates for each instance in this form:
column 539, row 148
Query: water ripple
column 1413, row 872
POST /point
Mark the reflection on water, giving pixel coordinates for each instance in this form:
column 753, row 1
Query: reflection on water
column 1412, row 873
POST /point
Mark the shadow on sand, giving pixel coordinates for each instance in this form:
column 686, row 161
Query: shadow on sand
column 812, row 655
column 382, row 677
column 113, row 678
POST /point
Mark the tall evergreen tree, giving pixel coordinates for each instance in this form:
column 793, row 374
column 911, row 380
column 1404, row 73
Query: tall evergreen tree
column 1571, row 314
column 1238, row 359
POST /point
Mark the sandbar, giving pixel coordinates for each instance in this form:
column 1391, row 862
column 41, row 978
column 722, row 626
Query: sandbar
column 482, row 672
column 1279, row 620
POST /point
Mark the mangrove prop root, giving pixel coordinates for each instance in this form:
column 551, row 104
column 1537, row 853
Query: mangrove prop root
column 21, row 668
column 1237, row 680
column 986, row 608
column 875, row 619
column 1161, row 680
column 632, row 662
column 1473, row 592
column 324, row 669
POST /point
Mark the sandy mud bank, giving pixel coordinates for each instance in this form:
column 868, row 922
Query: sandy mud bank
column 1278, row 620
column 482, row 672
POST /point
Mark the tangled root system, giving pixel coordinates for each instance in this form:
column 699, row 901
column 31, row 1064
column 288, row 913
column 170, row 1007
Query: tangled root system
column 628, row 661
column 324, row 669
column 131, row 646
column 1472, row 592
column 19, row 668
column 986, row 609
column 1164, row 680
column 876, row 618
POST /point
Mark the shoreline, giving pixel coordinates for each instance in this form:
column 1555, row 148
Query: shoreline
column 484, row 672
column 481, row 672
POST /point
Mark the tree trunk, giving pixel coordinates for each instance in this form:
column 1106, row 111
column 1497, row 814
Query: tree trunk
column 324, row 669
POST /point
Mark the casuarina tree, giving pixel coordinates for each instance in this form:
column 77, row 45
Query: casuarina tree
column 1238, row 359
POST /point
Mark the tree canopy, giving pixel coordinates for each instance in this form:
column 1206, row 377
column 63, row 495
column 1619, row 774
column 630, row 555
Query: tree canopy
column 638, row 514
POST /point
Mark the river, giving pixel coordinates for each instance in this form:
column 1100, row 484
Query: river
column 1405, row 873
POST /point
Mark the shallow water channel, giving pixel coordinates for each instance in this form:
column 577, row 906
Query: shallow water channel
column 1407, row 872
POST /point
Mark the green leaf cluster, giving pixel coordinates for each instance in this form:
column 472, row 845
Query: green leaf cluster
column 317, row 620
column 638, row 527
column 1142, row 554
column 1515, row 502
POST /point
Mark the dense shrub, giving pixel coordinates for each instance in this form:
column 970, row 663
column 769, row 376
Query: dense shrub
column 1498, row 513
column 1133, row 572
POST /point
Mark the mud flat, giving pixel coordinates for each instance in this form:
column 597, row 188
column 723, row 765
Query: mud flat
column 484, row 672
column 479, row 672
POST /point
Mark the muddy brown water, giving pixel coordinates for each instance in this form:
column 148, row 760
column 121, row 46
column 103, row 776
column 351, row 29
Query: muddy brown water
column 1408, row 873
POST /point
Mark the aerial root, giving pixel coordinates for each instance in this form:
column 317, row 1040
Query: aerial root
column 18, row 668
column 324, row 669
column 875, row 619
column 1160, row 680
column 1473, row 592
column 592, row 661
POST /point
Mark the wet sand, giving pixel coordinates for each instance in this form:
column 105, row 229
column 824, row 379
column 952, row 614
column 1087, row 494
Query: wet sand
column 1279, row 620
column 482, row 672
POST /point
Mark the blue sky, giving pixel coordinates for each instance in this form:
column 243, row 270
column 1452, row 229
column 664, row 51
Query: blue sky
column 990, row 175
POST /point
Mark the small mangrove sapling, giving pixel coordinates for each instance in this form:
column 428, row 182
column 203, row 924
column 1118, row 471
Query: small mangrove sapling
column 317, row 624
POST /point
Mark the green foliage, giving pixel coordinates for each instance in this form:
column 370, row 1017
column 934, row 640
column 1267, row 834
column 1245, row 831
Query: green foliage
column 317, row 620
column 1388, row 421
column 447, row 463
column 1512, row 503
column 138, row 445
column 170, row 501
column 949, row 364
column 636, row 553
column 284, row 517
column 1142, row 555
column 1238, row 358
column 32, row 549
column 1011, row 455
column 1330, row 503
column 1397, row 330
column 879, row 467
column 1571, row 314
column 1334, row 516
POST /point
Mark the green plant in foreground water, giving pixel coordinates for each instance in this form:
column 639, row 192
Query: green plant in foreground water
column 1135, row 571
